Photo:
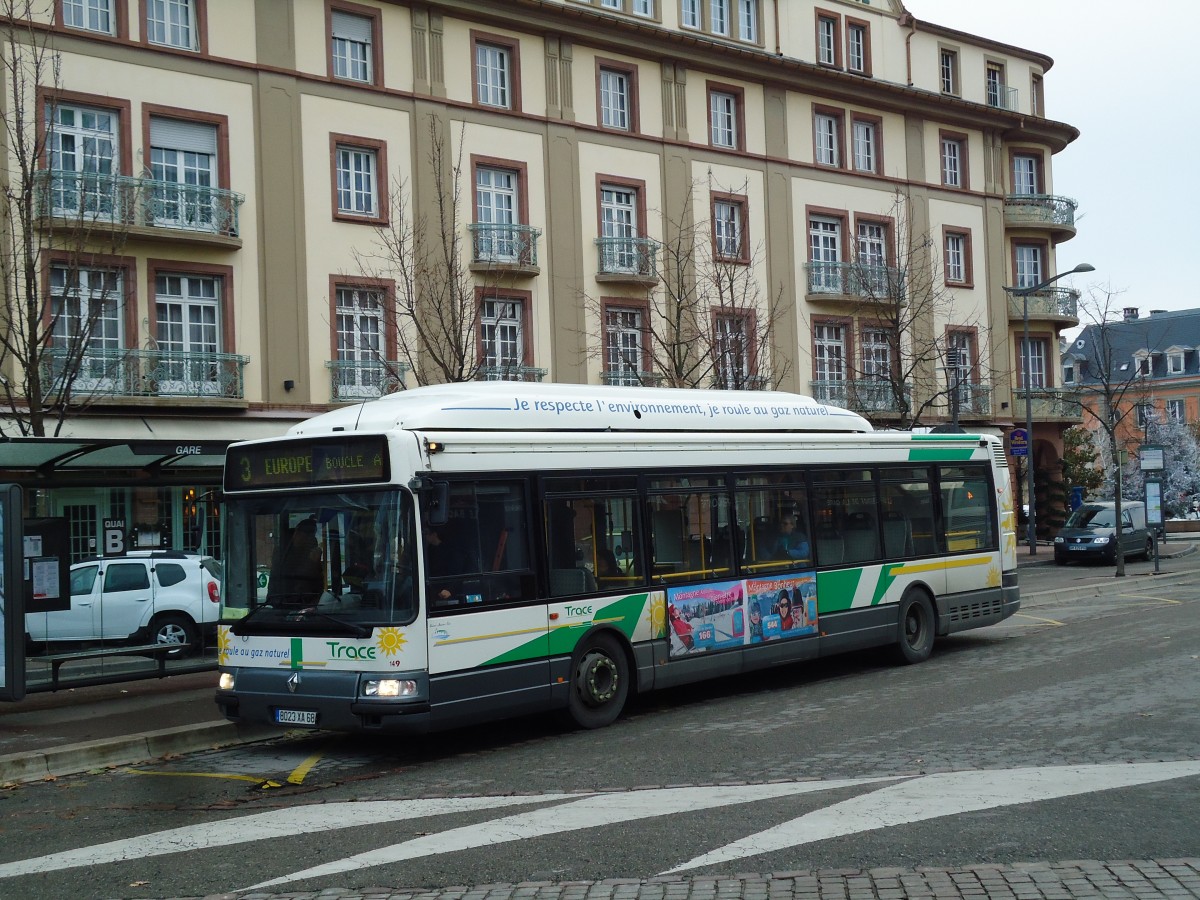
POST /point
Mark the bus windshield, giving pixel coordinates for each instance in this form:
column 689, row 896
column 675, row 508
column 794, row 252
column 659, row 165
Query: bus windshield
column 336, row 563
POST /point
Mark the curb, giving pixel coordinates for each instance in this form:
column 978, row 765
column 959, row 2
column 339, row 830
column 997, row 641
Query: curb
column 72, row 759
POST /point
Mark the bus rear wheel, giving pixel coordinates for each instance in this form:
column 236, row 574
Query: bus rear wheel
column 599, row 683
column 914, row 638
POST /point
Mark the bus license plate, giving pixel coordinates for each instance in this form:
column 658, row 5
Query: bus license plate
column 296, row 716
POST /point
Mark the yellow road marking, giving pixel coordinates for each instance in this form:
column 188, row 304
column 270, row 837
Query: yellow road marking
column 1038, row 619
column 257, row 779
column 297, row 776
column 1151, row 597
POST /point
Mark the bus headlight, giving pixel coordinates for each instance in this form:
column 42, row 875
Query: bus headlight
column 389, row 687
column 226, row 681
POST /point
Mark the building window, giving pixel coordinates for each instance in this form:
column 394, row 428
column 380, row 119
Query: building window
column 1145, row 414
column 183, row 165
column 958, row 257
column 748, row 20
column 997, row 93
column 828, row 49
column 719, row 16
column 858, row 47
column 827, row 129
column 616, row 98
column 723, row 111
column 620, row 250
column 87, row 305
column 89, row 15
column 1068, row 373
column 612, row 4
column 189, row 329
column 352, row 46
column 689, row 13
column 357, row 182
column 829, row 359
column 825, row 255
column 644, row 8
column 83, row 154
column 866, row 145
column 496, row 74
column 732, row 345
column 496, row 205
column 954, row 161
column 1034, row 354
column 172, row 23
column 1028, row 265
column 729, row 238
column 624, row 346
column 501, row 332
column 960, row 366
column 1174, row 363
column 876, row 354
column 1037, row 100
column 948, row 69
column 1176, row 411
column 1142, row 365
column 1027, row 174
column 872, row 245
column 359, row 321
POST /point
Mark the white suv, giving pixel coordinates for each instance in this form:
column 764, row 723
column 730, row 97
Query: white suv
column 145, row 596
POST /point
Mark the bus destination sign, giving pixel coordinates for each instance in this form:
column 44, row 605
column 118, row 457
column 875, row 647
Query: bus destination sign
column 348, row 460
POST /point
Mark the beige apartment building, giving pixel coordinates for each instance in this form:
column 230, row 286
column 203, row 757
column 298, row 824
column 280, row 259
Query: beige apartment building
column 828, row 161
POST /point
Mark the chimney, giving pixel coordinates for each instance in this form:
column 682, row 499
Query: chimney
column 1130, row 313
column 1157, row 312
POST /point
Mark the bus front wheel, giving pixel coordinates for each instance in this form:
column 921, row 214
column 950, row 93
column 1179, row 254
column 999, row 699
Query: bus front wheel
column 914, row 639
column 599, row 683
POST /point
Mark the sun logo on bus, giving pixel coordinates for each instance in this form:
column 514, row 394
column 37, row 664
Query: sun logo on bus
column 224, row 643
column 993, row 577
column 657, row 615
column 391, row 641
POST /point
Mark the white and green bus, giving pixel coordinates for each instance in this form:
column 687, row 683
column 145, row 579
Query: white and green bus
column 451, row 554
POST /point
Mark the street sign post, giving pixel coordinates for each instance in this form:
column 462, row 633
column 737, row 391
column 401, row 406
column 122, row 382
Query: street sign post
column 1018, row 442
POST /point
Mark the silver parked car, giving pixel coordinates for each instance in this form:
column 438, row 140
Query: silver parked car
column 1091, row 532
column 144, row 596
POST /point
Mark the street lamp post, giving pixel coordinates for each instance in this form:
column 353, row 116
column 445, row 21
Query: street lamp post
column 1026, row 367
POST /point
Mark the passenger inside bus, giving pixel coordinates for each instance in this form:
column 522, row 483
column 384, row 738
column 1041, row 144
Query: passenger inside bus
column 790, row 542
column 297, row 578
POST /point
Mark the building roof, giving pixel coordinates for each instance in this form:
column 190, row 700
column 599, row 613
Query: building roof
column 1155, row 335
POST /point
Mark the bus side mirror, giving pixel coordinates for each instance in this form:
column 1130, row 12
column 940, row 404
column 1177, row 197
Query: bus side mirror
column 439, row 503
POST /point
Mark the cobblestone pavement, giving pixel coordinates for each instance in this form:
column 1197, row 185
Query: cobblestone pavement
column 1175, row 879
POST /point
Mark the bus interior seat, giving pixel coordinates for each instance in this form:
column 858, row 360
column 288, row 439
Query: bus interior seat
column 923, row 542
column 861, row 539
column 897, row 538
column 830, row 549
column 566, row 582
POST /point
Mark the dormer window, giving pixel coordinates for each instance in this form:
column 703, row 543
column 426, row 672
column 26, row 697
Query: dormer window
column 1068, row 373
column 1175, row 359
column 1141, row 363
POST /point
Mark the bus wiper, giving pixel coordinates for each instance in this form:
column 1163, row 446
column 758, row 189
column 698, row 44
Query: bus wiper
column 354, row 628
column 236, row 627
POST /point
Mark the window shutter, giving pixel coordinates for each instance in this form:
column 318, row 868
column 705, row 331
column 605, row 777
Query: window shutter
column 351, row 27
column 176, row 134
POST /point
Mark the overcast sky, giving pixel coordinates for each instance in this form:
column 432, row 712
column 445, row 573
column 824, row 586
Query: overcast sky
column 1129, row 85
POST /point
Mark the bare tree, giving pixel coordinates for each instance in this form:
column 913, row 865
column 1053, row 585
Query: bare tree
column 55, row 223
column 711, row 322
column 1116, row 382
column 907, row 368
column 436, row 313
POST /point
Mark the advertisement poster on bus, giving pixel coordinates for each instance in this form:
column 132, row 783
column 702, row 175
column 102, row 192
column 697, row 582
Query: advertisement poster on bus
column 737, row 613
column 782, row 607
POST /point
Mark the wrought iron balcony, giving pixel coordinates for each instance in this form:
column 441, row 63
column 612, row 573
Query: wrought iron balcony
column 511, row 373
column 1040, row 211
column 630, row 378
column 879, row 283
column 1049, row 404
column 1001, row 96
column 974, row 400
column 1058, row 303
column 364, row 379
column 136, row 202
column 146, row 373
column 504, row 245
column 631, row 257
column 860, row 395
